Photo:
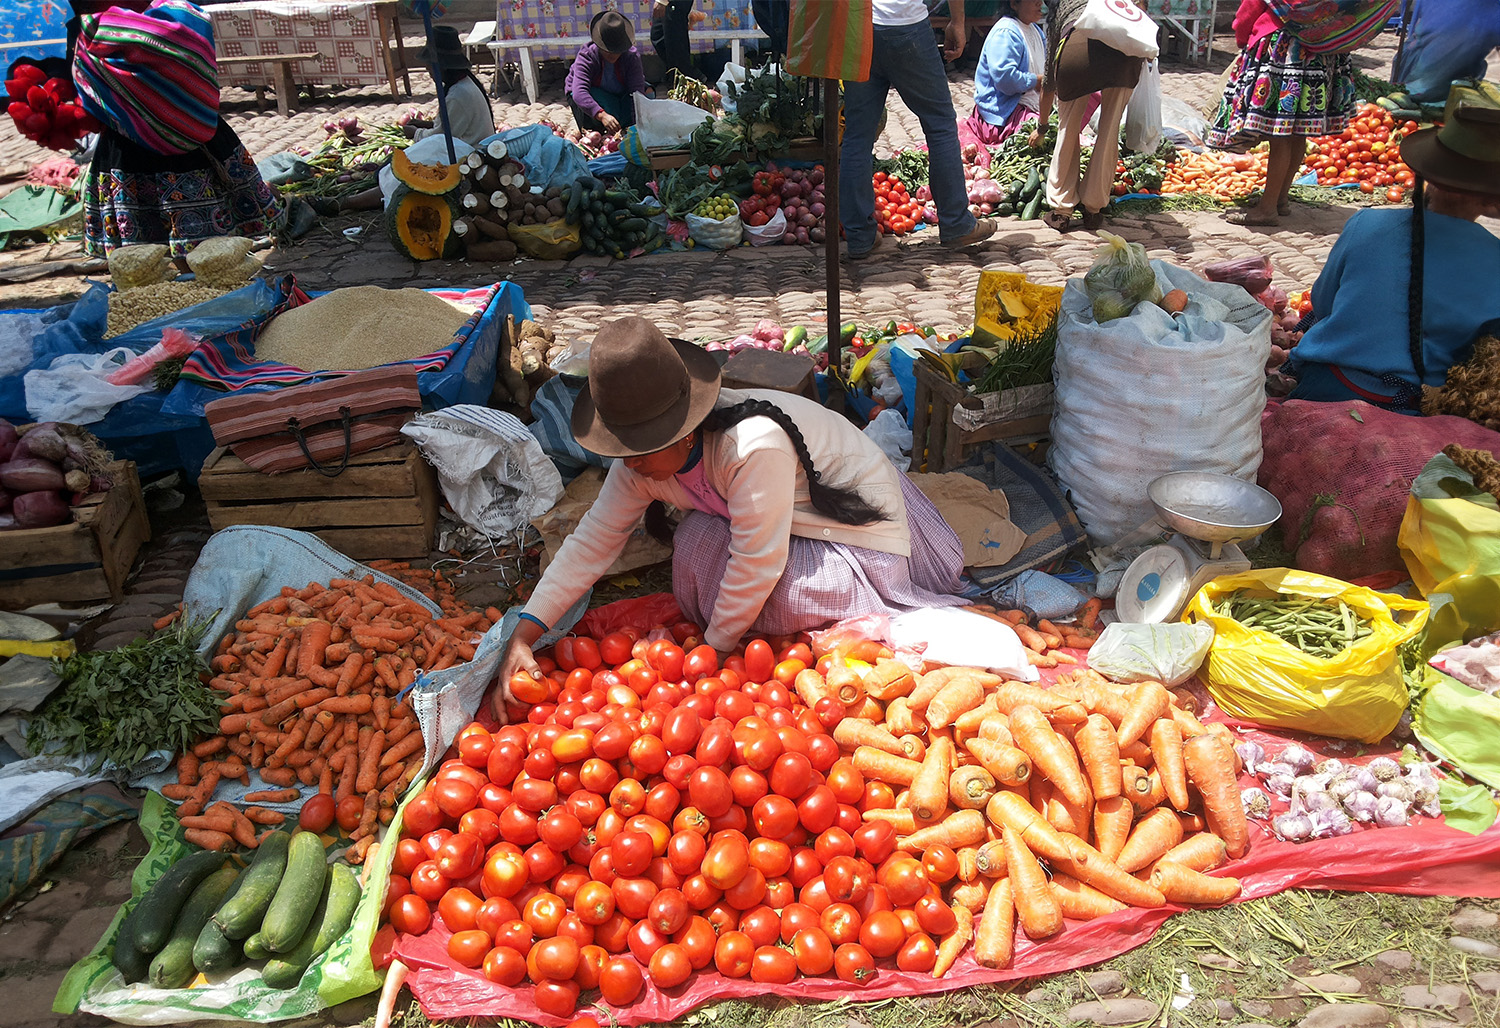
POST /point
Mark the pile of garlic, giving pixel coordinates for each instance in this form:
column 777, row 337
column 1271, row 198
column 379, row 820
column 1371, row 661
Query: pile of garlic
column 1327, row 797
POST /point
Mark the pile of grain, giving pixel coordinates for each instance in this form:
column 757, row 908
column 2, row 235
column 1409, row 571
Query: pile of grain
column 131, row 307
column 360, row 327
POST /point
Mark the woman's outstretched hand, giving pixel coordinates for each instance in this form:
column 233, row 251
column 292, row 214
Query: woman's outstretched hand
column 518, row 659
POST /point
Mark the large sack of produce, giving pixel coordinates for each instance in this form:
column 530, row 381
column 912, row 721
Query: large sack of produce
column 1343, row 473
column 1147, row 392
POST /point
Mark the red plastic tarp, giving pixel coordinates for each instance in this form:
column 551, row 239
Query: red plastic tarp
column 1424, row 858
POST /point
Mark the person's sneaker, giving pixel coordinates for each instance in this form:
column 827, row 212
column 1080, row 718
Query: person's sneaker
column 978, row 234
column 881, row 241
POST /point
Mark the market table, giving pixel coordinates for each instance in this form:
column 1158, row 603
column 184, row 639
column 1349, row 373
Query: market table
column 356, row 44
column 541, row 29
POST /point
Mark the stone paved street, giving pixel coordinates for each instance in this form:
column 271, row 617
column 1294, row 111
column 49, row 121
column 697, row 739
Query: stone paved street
column 699, row 294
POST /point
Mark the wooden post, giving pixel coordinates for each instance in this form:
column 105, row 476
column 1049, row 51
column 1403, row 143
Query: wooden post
column 831, row 233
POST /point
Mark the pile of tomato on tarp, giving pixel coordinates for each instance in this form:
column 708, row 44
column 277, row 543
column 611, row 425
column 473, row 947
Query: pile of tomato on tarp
column 628, row 839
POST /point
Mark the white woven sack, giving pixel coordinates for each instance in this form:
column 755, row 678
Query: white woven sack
column 493, row 471
column 1143, row 395
column 1008, row 405
column 714, row 234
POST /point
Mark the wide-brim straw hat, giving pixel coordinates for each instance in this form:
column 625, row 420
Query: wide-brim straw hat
column 1465, row 152
column 445, row 50
column 612, row 32
column 645, row 391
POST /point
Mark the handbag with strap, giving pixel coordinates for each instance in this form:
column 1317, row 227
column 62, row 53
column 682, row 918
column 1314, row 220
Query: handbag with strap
column 1333, row 26
column 1120, row 25
column 319, row 425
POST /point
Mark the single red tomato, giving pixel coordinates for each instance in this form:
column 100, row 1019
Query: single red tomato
column 318, row 813
column 621, row 981
column 773, row 966
column 411, row 914
column 853, row 963
column 734, row 953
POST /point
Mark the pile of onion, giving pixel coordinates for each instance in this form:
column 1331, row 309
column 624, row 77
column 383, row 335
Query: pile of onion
column 44, row 469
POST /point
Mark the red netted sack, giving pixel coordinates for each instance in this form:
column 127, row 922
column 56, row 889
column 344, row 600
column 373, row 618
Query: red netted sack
column 1342, row 472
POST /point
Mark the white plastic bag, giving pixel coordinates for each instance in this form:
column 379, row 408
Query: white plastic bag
column 1160, row 653
column 492, row 470
column 892, row 434
column 733, row 73
column 666, row 124
column 1150, row 393
column 76, row 387
column 944, row 635
column 1143, row 112
column 715, row 234
column 1119, row 24
column 770, row 232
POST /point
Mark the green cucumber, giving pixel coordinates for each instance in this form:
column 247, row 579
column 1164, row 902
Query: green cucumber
column 215, row 951
column 255, row 948
column 618, row 198
column 292, row 907
column 172, row 968
column 127, row 958
column 848, row 332
column 158, row 909
column 644, row 210
column 241, row 914
column 795, row 338
column 1033, row 208
column 329, row 922
column 1033, row 180
column 633, row 225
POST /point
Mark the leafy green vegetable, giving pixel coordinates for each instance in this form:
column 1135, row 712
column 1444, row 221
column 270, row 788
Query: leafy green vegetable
column 682, row 189
column 1024, row 361
column 122, row 704
column 775, row 108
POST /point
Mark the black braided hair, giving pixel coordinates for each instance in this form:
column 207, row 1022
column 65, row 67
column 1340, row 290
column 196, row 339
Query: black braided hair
column 843, row 505
column 1416, row 279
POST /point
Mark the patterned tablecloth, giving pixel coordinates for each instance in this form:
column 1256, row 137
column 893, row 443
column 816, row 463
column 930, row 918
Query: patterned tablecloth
column 556, row 19
column 345, row 35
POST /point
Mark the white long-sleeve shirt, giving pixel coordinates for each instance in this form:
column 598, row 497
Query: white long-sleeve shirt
column 755, row 468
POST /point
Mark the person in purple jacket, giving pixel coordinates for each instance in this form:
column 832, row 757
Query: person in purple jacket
column 606, row 75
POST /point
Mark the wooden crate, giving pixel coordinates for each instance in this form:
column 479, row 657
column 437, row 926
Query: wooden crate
column 384, row 504
column 938, row 444
column 82, row 562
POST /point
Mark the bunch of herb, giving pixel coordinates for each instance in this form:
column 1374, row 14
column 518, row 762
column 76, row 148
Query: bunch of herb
column 121, row 705
column 682, row 189
column 1024, row 361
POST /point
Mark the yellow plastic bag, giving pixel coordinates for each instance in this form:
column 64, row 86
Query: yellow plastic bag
column 1256, row 676
column 550, row 241
column 1450, row 540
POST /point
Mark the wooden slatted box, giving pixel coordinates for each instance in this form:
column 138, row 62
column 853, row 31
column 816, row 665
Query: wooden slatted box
column 82, row 562
column 384, row 504
column 938, row 444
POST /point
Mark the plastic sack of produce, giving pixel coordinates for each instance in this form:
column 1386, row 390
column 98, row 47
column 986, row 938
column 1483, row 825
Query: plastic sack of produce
column 1151, row 392
column 716, row 234
column 1160, row 653
column 1342, row 472
column 551, row 241
column 666, row 124
column 1120, row 278
column 342, row 972
column 1255, row 675
column 770, row 232
column 1450, row 542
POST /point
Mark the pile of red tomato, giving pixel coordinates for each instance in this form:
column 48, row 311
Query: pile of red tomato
column 656, row 815
column 1367, row 153
column 896, row 212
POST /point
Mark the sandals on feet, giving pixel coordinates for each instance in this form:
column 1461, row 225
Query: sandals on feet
column 1093, row 221
column 1058, row 220
column 1250, row 218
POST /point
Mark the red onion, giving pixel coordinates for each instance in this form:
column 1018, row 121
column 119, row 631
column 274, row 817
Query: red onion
column 816, row 176
column 789, row 238
column 816, row 235
column 817, row 209
column 29, row 474
column 802, row 236
column 8, row 440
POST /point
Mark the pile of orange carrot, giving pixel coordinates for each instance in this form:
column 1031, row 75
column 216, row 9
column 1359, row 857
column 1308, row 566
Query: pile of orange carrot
column 1066, row 802
column 1223, row 176
column 1045, row 641
column 311, row 679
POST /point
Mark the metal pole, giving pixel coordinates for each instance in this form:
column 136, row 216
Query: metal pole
column 831, row 231
column 437, row 77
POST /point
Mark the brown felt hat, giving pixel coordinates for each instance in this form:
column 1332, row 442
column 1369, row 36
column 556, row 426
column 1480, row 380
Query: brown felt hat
column 612, row 31
column 645, row 391
column 1465, row 152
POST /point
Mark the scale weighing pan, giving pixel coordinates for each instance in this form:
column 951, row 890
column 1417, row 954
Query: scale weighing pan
column 1201, row 507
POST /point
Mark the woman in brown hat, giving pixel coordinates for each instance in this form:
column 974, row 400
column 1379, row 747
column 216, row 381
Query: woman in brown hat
column 1406, row 293
column 795, row 518
column 606, row 75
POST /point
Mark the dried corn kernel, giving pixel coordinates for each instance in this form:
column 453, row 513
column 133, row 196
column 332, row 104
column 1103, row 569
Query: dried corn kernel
column 142, row 265
column 133, row 307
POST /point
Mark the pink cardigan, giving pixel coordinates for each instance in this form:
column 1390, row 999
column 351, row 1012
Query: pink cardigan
column 1254, row 22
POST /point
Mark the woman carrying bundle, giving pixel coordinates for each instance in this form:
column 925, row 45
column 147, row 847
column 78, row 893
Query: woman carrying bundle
column 167, row 167
column 796, row 518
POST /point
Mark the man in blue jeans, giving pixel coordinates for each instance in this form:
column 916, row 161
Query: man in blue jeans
column 906, row 56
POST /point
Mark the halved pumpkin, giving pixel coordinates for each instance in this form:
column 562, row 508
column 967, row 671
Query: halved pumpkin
column 433, row 179
column 421, row 225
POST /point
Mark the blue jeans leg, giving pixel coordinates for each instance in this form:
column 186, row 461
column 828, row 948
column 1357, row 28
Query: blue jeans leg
column 863, row 104
column 909, row 58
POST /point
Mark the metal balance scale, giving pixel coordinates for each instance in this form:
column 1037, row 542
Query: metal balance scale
column 1210, row 515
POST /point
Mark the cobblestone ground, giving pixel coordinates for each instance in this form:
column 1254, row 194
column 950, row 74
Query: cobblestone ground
column 702, row 294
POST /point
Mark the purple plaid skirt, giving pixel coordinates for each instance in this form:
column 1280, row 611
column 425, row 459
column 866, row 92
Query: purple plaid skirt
column 824, row 581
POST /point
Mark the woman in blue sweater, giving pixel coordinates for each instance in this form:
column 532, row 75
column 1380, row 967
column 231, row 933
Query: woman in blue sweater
column 1008, row 81
column 1406, row 293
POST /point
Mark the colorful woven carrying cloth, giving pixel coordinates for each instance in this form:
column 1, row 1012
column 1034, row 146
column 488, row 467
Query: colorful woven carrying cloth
column 151, row 76
column 1333, row 26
